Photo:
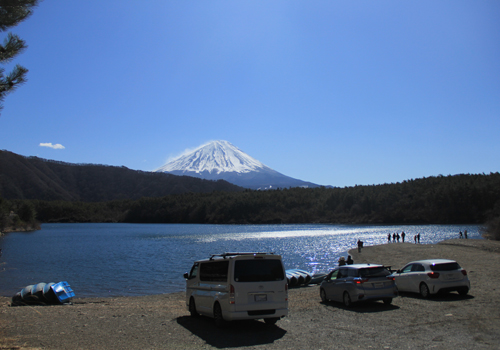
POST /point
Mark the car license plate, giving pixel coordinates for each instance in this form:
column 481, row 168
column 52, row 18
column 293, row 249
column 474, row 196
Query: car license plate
column 379, row 285
column 261, row 297
column 449, row 277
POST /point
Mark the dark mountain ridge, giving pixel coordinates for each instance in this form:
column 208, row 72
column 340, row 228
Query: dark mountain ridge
column 37, row 178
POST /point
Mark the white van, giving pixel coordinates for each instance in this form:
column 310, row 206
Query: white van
column 238, row 286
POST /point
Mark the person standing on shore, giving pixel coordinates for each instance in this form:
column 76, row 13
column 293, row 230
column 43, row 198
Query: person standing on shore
column 349, row 260
column 360, row 245
column 388, row 238
column 465, row 234
column 418, row 238
column 403, row 236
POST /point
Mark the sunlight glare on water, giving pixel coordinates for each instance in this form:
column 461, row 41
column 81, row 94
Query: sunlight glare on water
column 134, row 259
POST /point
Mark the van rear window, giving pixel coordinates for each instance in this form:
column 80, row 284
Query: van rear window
column 258, row 270
column 214, row 271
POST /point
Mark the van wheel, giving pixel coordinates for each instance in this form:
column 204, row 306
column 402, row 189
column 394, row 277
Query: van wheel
column 271, row 321
column 192, row 308
column 424, row 290
column 347, row 300
column 219, row 319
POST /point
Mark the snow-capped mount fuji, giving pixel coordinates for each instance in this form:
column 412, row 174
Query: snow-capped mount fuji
column 220, row 160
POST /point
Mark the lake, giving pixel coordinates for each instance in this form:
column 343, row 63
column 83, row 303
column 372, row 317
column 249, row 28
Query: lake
column 141, row 259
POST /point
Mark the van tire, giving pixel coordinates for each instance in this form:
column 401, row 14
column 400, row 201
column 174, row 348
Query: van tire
column 219, row 319
column 192, row 308
column 271, row 321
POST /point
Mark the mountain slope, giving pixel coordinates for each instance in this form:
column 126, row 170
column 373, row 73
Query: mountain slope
column 35, row 178
column 222, row 160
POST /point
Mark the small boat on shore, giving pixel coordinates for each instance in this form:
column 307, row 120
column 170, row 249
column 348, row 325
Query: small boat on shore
column 44, row 294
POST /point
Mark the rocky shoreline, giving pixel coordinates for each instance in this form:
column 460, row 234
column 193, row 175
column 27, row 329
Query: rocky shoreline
column 162, row 321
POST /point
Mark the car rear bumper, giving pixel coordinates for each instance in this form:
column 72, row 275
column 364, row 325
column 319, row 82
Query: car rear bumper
column 255, row 314
column 449, row 287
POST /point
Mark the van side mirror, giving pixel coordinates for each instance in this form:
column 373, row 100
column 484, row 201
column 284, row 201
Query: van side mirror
column 186, row 275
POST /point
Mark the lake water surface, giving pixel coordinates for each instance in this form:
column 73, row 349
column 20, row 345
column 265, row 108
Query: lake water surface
column 142, row 259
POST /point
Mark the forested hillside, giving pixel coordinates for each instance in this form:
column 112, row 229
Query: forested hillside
column 442, row 199
column 35, row 178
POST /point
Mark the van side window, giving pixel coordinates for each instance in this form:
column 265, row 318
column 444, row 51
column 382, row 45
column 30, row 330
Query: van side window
column 214, row 271
column 194, row 271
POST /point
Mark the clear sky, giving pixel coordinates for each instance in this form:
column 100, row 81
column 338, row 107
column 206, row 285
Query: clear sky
column 329, row 91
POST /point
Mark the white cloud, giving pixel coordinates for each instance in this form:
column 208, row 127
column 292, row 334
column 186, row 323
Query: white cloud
column 50, row 145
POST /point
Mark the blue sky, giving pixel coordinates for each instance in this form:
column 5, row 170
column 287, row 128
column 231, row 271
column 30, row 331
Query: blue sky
column 333, row 92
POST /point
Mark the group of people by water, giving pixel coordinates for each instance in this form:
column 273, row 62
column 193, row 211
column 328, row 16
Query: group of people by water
column 396, row 237
column 462, row 235
column 343, row 261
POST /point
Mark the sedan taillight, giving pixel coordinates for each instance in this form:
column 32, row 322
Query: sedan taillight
column 433, row 274
column 360, row 280
column 464, row 272
column 392, row 278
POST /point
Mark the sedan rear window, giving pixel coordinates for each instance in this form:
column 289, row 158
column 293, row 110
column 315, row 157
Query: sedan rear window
column 374, row 272
column 445, row 267
column 258, row 270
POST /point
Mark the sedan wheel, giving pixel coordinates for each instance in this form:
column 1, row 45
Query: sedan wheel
column 388, row 301
column 424, row 290
column 347, row 299
column 322, row 294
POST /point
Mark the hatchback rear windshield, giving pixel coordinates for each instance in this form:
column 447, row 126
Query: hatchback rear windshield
column 374, row 272
column 445, row 266
column 258, row 270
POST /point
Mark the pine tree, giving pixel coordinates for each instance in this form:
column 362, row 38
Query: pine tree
column 12, row 12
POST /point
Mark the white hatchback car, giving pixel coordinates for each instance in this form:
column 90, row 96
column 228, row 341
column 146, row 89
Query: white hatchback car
column 432, row 276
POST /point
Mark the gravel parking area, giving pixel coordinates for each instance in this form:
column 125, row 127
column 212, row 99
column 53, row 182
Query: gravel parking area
column 162, row 322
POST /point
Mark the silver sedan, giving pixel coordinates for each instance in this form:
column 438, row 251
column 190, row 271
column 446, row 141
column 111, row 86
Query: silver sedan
column 359, row 282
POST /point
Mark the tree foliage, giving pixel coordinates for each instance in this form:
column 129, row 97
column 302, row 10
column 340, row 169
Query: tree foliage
column 12, row 12
column 459, row 199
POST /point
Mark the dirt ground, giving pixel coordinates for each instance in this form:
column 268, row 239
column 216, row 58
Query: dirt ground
column 162, row 322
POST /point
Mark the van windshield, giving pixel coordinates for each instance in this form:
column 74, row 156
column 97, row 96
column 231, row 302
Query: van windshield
column 258, row 270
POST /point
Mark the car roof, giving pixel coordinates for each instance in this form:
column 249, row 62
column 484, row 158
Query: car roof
column 431, row 261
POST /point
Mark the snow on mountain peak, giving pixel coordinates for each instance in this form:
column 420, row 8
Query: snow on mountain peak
column 214, row 157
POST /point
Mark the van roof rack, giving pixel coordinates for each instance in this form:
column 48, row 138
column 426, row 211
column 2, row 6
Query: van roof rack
column 226, row 255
